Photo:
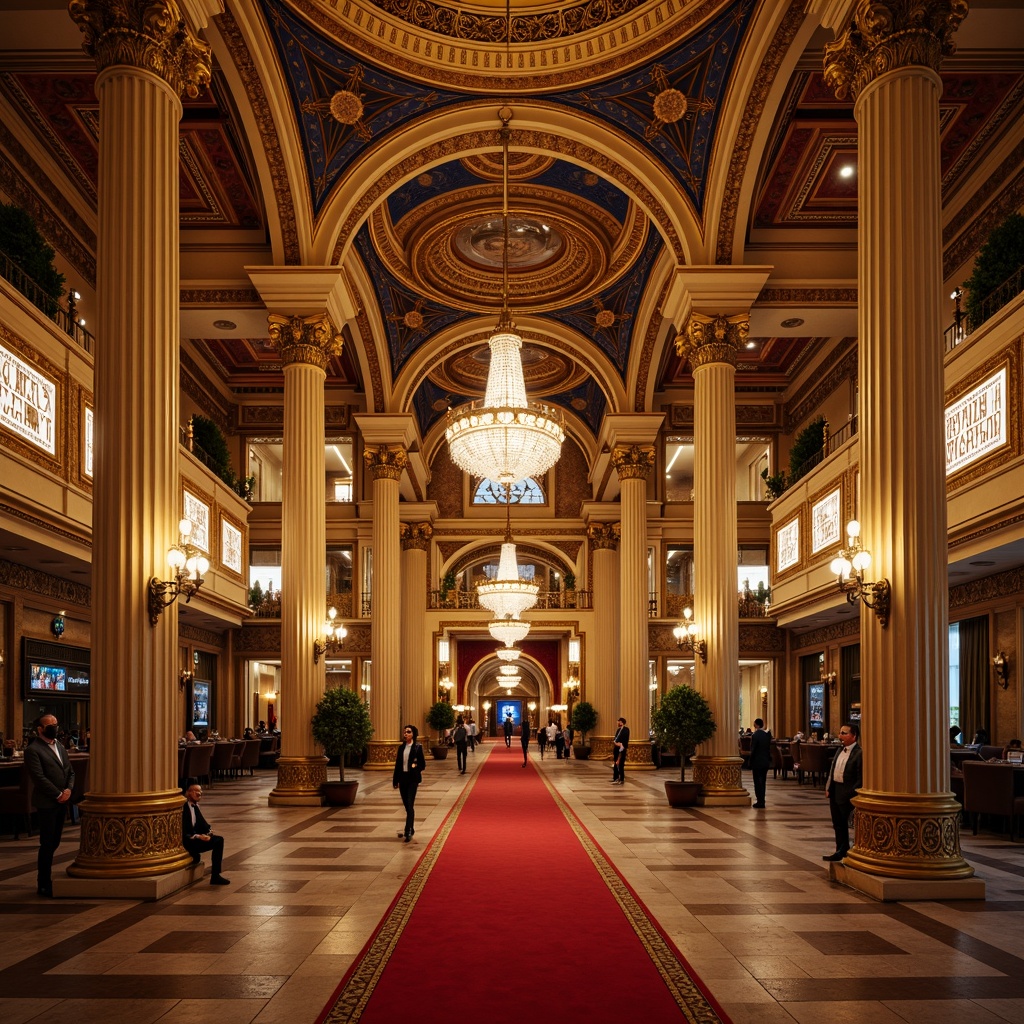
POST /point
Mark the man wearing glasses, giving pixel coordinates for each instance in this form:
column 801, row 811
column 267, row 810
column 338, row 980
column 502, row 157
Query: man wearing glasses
column 845, row 777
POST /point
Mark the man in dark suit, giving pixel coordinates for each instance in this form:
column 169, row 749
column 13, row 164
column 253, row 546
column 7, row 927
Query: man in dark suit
column 197, row 836
column 409, row 765
column 53, row 778
column 507, row 728
column 620, row 744
column 845, row 777
column 760, row 760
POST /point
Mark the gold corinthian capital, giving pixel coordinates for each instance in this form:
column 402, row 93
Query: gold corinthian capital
column 148, row 34
column 385, row 461
column 304, row 339
column 633, row 461
column 712, row 339
column 886, row 36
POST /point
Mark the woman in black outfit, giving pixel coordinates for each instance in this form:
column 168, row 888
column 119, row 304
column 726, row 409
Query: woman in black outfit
column 524, row 738
column 409, row 765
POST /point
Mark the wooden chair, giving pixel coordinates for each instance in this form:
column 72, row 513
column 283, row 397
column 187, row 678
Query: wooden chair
column 221, row 765
column 250, row 756
column 16, row 803
column 989, row 789
column 270, row 751
column 814, row 761
column 780, row 762
column 198, row 759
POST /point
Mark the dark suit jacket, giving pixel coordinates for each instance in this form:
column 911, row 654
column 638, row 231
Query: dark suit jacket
column 49, row 777
column 761, row 749
column 188, row 830
column 417, row 762
column 524, row 733
column 621, row 736
column 852, row 776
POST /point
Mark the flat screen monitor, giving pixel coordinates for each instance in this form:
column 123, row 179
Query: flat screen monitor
column 47, row 679
column 510, row 707
column 200, row 705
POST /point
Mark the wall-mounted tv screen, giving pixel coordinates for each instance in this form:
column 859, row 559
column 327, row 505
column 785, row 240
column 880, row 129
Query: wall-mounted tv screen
column 47, row 679
column 510, row 708
column 56, row 671
column 200, row 705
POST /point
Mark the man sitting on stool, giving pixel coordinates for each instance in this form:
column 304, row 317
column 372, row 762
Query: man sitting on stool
column 197, row 837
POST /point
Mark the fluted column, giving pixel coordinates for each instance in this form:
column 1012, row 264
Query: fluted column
column 385, row 464
column 305, row 344
column 602, row 679
column 711, row 343
column 131, row 816
column 417, row 683
column 907, row 842
column 633, row 463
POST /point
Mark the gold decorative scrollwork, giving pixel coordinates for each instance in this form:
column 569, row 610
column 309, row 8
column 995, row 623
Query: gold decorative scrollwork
column 633, row 461
column 718, row 774
column 386, row 462
column 300, row 774
column 886, row 36
column 604, row 535
column 415, row 535
column 153, row 36
column 380, row 754
column 304, row 339
column 712, row 339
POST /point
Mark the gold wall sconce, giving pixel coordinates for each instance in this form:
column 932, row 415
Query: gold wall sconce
column 849, row 567
column 334, row 637
column 188, row 564
column 686, row 637
column 829, row 679
column 1001, row 665
column 185, row 676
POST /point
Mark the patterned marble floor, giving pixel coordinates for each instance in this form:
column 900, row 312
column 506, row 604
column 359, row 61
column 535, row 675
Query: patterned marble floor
column 743, row 894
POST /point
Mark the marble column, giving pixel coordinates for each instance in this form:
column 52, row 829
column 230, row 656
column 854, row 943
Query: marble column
column 385, row 464
column 131, row 816
column 417, row 682
column 907, row 841
column 601, row 685
column 634, row 463
column 711, row 344
column 305, row 344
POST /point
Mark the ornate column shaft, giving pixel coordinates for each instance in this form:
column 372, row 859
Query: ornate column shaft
column 385, row 464
column 907, row 822
column 417, row 683
column 712, row 344
column 131, row 824
column 602, row 681
column 634, row 463
column 305, row 344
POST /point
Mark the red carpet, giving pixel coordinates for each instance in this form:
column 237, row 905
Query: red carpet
column 509, row 918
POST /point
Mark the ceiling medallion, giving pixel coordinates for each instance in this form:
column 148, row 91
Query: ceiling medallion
column 530, row 242
column 346, row 107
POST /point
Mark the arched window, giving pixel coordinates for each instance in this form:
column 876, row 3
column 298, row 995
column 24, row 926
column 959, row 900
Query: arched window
column 524, row 492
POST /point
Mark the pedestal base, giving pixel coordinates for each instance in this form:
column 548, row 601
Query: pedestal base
column 907, row 889
column 720, row 778
column 298, row 782
column 600, row 748
column 380, row 755
column 147, row 887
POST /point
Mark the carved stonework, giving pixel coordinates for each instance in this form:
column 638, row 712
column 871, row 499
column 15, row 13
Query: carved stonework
column 992, row 588
column 819, row 638
column 604, row 536
column 386, row 462
column 32, row 581
column 253, row 639
column 601, row 748
column 380, row 755
column 838, row 367
column 186, row 631
column 887, row 35
column 299, row 777
column 638, row 755
column 908, row 836
column 415, row 535
column 127, row 836
column 304, row 339
column 151, row 35
column 633, row 461
column 719, row 775
column 712, row 339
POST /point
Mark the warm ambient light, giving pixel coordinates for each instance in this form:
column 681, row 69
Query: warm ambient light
column 508, row 631
column 334, row 637
column 686, row 637
column 1001, row 664
column 849, row 567
column 188, row 564
column 846, row 171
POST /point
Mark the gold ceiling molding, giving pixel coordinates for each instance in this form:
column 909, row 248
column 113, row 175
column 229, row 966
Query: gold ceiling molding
column 198, row 635
column 239, row 298
column 807, row 297
column 819, row 638
column 33, row 581
column 575, row 43
column 376, row 191
column 998, row 587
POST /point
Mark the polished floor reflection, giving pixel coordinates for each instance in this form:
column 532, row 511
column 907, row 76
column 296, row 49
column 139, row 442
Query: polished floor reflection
column 743, row 894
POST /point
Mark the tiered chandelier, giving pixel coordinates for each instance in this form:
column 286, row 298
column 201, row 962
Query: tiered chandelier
column 508, row 595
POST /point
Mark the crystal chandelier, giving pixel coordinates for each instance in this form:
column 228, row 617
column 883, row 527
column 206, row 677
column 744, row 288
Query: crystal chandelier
column 508, row 654
column 508, row 631
column 508, row 595
column 506, row 437
column 509, row 670
column 510, row 682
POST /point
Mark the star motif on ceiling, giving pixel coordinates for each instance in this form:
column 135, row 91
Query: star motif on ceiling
column 670, row 104
column 345, row 105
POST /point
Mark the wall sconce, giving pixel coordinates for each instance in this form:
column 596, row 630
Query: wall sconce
column 853, row 558
column 444, row 684
column 185, row 676
column 1001, row 664
column 57, row 626
column 188, row 564
column 365, row 687
column 764, row 700
column 686, row 637
column 334, row 637
column 829, row 679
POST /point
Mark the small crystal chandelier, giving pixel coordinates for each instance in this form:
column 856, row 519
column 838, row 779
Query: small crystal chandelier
column 508, row 631
column 509, row 682
column 509, row 594
column 509, row 670
column 506, row 437
column 508, row 654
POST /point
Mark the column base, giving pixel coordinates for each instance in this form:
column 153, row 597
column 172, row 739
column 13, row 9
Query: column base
column 146, row 887
column 720, row 778
column 600, row 748
column 380, row 755
column 130, row 835
column 908, row 837
column 298, row 782
column 638, row 757
column 906, row 890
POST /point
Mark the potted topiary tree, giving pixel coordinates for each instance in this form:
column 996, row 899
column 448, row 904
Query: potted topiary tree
column 683, row 720
column 584, row 718
column 341, row 726
column 441, row 716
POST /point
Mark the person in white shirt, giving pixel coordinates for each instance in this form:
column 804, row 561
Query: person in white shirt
column 845, row 777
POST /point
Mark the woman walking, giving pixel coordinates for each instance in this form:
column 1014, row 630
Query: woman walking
column 409, row 765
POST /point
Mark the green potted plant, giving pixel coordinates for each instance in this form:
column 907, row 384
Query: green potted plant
column 569, row 579
column 255, row 595
column 808, row 443
column 441, row 716
column 997, row 261
column 341, row 725
column 683, row 720
column 774, row 484
column 584, row 718
column 447, row 585
column 26, row 248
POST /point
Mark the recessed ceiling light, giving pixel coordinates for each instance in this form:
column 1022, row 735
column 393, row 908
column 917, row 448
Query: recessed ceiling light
column 751, row 344
column 225, row 325
column 846, row 171
column 793, row 321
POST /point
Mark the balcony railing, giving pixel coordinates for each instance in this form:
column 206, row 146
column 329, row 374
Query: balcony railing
column 831, row 443
column 963, row 325
column 66, row 317
column 748, row 604
column 466, row 600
